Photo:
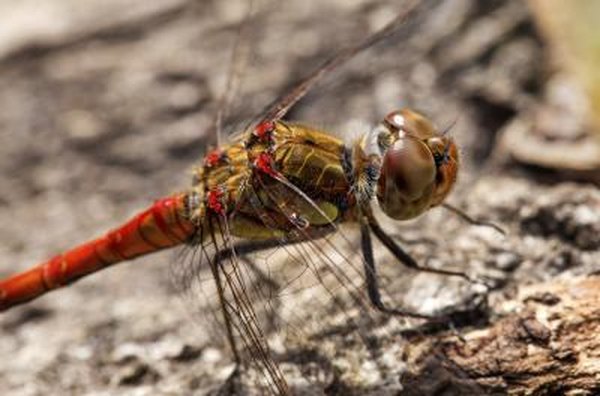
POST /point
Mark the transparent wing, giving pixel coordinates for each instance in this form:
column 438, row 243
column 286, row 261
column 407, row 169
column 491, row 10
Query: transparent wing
column 405, row 12
column 279, row 290
column 219, row 288
column 279, row 108
column 239, row 59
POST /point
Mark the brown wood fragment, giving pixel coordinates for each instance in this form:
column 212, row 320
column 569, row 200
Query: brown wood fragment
column 540, row 349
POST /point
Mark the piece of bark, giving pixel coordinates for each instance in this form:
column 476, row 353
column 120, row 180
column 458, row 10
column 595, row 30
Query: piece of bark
column 549, row 345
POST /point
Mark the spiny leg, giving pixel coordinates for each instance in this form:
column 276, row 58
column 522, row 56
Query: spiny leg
column 371, row 278
column 404, row 257
column 471, row 220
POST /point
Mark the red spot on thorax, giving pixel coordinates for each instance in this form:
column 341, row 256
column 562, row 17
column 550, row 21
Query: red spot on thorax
column 264, row 129
column 264, row 163
column 214, row 157
column 214, row 201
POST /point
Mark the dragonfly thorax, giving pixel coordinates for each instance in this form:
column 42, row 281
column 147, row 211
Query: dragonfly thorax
column 416, row 164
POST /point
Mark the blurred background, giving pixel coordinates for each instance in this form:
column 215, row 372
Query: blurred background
column 106, row 105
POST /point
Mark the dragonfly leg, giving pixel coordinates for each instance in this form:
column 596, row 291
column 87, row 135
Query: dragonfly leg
column 371, row 278
column 471, row 220
column 404, row 257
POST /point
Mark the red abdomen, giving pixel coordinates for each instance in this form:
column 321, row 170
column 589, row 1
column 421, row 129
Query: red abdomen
column 163, row 225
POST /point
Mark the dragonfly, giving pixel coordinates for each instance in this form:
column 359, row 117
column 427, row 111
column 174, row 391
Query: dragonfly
column 278, row 184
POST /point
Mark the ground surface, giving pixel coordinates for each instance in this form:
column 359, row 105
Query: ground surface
column 105, row 107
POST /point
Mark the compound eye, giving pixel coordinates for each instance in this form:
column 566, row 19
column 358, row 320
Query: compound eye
column 436, row 144
column 407, row 179
column 447, row 162
column 411, row 123
column 395, row 120
column 438, row 148
column 408, row 164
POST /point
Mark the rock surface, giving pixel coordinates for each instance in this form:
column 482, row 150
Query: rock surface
column 105, row 107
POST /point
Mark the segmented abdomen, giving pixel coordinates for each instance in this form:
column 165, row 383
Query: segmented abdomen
column 165, row 224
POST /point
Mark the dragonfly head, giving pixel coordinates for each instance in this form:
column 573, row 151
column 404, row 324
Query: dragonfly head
column 419, row 165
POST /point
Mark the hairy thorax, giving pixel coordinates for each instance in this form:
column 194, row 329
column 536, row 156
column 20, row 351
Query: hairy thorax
column 274, row 180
